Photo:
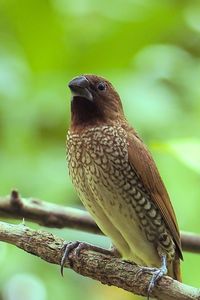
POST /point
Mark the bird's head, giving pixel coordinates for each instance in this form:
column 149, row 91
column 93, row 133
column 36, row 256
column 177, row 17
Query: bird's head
column 94, row 101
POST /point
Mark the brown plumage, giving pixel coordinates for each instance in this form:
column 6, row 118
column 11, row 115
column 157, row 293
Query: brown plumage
column 117, row 179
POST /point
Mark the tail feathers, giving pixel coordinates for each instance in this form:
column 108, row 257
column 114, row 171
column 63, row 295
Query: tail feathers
column 174, row 270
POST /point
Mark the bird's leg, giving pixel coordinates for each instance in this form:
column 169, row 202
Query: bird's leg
column 157, row 274
column 77, row 247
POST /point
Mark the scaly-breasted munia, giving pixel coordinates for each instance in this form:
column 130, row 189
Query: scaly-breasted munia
column 117, row 180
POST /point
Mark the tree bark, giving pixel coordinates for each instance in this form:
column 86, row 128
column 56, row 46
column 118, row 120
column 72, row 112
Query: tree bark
column 106, row 269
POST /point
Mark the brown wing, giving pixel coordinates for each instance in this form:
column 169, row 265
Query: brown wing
column 144, row 165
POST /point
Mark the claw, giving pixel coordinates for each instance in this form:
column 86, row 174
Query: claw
column 157, row 273
column 77, row 247
column 67, row 248
column 144, row 270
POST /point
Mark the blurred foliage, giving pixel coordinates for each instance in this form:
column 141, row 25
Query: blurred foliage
column 150, row 50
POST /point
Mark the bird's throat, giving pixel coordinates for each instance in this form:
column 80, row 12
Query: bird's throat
column 85, row 112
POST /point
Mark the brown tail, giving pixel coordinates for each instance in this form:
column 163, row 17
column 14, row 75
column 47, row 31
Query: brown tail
column 174, row 270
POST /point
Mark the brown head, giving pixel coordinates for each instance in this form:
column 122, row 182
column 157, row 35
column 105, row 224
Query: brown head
column 94, row 101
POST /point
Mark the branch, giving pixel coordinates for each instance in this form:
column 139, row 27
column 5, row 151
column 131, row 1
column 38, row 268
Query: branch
column 58, row 216
column 46, row 213
column 106, row 269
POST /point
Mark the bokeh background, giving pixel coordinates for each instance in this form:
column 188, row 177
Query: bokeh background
column 150, row 50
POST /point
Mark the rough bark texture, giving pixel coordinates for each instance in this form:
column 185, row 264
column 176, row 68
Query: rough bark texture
column 106, row 269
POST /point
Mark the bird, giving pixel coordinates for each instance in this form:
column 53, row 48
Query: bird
column 117, row 180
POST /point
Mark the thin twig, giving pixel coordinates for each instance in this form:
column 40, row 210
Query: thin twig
column 46, row 213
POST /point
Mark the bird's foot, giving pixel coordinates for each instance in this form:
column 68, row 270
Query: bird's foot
column 76, row 247
column 157, row 273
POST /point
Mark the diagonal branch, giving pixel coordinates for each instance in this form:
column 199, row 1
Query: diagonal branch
column 58, row 216
column 106, row 269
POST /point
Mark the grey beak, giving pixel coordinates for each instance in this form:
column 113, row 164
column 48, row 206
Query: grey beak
column 79, row 87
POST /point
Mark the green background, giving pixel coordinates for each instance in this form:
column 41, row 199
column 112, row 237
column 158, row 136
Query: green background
column 150, row 51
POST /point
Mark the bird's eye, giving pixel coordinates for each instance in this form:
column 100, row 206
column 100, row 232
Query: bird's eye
column 101, row 86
